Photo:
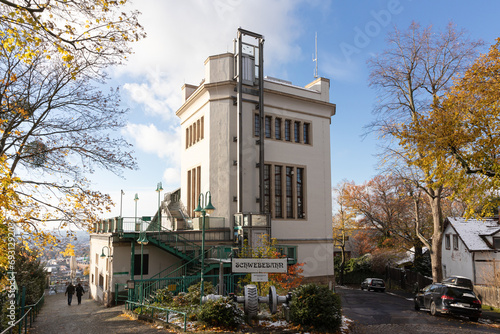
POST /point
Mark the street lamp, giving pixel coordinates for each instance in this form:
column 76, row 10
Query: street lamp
column 159, row 190
column 104, row 255
column 209, row 208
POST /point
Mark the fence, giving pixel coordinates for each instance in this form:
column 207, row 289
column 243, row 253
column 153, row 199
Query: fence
column 489, row 295
column 29, row 313
column 406, row 279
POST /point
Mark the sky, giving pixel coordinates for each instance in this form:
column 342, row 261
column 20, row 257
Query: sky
column 183, row 34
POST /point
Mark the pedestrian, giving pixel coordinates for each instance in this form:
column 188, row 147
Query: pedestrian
column 70, row 290
column 79, row 293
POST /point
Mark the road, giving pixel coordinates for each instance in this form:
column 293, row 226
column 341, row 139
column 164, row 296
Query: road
column 56, row 317
column 376, row 312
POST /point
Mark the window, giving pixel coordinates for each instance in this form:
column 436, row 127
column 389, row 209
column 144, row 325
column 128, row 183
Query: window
column 455, row 241
column 305, row 133
column 284, row 188
column 137, row 264
column 194, row 132
column 289, row 192
column 267, row 188
column 300, row 193
column 288, row 125
column 256, row 121
column 496, row 242
column 101, row 281
column 193, row 188
column 278, row 205
column 268, row 126
column 447, row 241
column 277, row 128
column 296, row 132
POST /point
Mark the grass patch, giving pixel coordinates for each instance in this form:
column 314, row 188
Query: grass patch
column 490, row 308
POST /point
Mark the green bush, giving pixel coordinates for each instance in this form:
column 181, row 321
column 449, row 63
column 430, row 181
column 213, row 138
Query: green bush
column 220, row 313
column 164, row 296
column 316, row 307
column 194, row 292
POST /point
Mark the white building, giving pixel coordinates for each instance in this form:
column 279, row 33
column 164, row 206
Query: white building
column 260, row 149
column 471, row 248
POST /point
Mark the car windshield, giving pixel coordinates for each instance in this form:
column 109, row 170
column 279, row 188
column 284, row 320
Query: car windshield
column 378, row 281
column 457, row 293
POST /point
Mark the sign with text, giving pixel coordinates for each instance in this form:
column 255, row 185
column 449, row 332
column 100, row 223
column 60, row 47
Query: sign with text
column 260, row 277
column 259, row 265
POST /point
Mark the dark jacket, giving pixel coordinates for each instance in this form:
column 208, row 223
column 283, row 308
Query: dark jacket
column 70, row 289
column 79, row 290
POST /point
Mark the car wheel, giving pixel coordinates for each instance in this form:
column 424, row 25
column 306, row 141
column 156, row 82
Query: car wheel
column 362, row 289
column 433, row 308
column 417, row 308
column 475, row 319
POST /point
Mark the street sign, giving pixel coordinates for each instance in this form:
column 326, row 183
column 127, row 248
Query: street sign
column 251, row 265
column 260, row 277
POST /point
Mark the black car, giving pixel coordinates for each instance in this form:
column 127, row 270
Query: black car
column 376, row 284
column 442, row 298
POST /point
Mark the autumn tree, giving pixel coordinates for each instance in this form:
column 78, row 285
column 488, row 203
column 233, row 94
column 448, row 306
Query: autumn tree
column 463, row 129
column 54, row 131
column 344, row 224
column 383, row 205
column 96, row 32
column 412, row 76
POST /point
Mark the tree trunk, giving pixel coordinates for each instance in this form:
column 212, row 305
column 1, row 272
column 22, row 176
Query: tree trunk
column 437, row 236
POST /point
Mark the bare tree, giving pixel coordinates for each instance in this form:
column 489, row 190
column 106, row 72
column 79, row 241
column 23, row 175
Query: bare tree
column 412, row 75
column 55, row 130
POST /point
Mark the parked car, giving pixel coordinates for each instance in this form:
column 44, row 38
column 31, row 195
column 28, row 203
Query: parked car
column 442, row 298
column 376, row 284
column 459, row 281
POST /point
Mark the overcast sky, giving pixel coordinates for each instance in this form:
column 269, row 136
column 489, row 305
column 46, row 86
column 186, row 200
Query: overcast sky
column 182, row 34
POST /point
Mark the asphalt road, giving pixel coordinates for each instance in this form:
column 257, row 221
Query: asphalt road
column 377, row 312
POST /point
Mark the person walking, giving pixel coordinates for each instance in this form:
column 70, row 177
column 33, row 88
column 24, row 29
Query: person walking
column 79, row 293
column 70, row 290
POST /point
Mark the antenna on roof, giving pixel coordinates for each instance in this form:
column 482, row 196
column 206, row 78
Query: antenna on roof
column 315, row 56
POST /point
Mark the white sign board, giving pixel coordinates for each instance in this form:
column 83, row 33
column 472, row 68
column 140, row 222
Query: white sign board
column 259, row 277
column 259, row 265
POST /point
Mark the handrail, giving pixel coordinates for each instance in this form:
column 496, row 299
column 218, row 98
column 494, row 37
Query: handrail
column 161, row 309
column 32, row 310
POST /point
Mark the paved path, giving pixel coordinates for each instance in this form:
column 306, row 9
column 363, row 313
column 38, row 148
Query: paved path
column 56, row 317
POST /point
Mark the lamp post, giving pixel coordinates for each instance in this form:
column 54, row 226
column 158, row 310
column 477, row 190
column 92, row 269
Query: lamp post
column 121, row 201
column 208, row 208
column 159, row 190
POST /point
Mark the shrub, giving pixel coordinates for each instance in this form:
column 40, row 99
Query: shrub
column 315, row 306
column 194, row 292
column 164, row 296
column 220, row 313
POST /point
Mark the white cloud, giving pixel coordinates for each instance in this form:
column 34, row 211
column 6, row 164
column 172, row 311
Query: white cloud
column 149, row 139
column 182, row 34
column 172, row 177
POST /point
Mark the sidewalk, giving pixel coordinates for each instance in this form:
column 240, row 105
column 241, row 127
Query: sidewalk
column 88, row 318
column 488, row 315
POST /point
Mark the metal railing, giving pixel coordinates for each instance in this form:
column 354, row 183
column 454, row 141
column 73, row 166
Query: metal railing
column 29, row 312
column 130, row 306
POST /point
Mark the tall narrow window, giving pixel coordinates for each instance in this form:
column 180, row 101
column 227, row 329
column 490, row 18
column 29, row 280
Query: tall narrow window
column 296, row 132
column 198, row 132
column 189, row 203
column 447, row 241
column 288, row 125
column 268, row 126
column 300, row 192
column 305, row 133
column 267, row 188
column 289, row 192
column 455, row 241
column 278, row 203
column 195, row 132
column 187, row 137
column 201, row 126
column 277, row 128
column 256, row 121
